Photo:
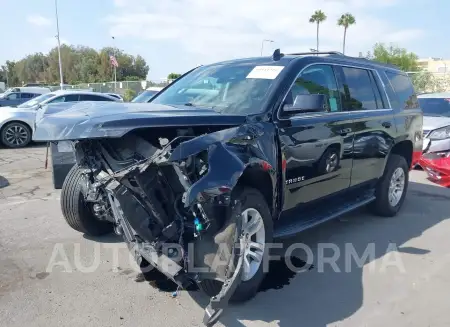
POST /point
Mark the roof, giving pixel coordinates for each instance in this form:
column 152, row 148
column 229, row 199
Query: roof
column 435, row 95
column 286, row 58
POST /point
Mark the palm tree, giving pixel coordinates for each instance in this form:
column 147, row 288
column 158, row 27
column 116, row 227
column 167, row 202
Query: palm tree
column 346, row 20
column 317, row 18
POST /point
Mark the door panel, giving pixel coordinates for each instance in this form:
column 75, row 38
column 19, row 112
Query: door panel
column 316, row 146
column 373, row 125
column 318, row 151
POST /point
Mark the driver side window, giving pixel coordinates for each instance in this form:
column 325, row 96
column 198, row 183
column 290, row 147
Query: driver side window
column 317, row 79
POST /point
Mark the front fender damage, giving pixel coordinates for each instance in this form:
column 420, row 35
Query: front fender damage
column 181, row 193
column 230, row 153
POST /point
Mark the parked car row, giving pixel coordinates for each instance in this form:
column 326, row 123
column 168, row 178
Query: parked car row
column 17, row 123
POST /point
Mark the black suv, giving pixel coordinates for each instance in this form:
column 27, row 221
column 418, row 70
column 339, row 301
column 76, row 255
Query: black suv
column 235, row 154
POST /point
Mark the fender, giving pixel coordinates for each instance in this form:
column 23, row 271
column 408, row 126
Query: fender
column 230, row 153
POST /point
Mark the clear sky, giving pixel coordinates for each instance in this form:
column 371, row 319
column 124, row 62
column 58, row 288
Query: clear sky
column 176, row 35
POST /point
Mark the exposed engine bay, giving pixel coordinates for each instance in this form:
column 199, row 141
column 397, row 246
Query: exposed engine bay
column 171, row 200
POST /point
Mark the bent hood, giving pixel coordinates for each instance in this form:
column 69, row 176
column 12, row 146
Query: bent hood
column 84, row 120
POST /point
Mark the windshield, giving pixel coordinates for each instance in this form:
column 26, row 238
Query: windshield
column 144, row 96
column 435, row 106
column 236, row 88
column 36, row 100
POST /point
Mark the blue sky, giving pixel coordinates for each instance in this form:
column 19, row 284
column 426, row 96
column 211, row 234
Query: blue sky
column 176, row 35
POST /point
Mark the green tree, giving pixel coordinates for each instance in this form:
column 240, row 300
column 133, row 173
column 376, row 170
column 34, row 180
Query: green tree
column 392, row 54
column 79, row 63
column 129, row 95
column 317, row 18
column 346, row 20
column 173, row 76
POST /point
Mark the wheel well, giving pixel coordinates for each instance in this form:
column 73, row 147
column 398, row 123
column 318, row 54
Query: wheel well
column 404, row 149
column 260, row 180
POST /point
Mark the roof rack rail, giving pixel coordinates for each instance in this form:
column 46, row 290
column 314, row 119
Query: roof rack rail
column 318, row 52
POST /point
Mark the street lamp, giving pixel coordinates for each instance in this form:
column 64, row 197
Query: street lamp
column 262, row 45
column 59, row 46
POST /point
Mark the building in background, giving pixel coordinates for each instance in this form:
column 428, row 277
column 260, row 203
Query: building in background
column 435, row 65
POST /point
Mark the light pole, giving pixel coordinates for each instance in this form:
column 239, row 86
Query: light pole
column 59, row 47
column 262, row 45
column 115, row 68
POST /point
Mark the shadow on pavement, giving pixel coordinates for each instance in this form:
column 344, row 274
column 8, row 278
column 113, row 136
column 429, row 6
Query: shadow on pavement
column 316, row 299
column 3, row 182
column 108, row 238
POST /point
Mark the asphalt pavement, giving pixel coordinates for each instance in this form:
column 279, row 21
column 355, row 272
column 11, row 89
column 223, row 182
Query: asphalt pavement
column 51, row 275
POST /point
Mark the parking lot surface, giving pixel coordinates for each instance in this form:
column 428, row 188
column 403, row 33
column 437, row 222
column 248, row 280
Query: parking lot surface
column 51, row 275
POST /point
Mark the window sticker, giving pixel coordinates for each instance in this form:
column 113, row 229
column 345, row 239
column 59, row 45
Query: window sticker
column 265, row 72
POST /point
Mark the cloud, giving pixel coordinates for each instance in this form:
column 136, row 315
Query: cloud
column 234, row 28
column 38, row 20
column 51, row 42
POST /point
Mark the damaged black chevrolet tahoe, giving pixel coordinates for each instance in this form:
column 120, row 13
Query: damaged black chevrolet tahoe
column 234, row 154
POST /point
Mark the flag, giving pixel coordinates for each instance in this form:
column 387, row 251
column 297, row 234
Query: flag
column 113, row 61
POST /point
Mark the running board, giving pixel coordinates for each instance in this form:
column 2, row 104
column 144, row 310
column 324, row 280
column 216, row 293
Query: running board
column 290, row 228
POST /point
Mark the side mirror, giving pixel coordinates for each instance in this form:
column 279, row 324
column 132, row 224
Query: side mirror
column 308, row 103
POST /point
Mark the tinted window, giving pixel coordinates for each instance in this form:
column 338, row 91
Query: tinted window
column 404, row 89
column 359, row 90
column 435, row 106
column 317, row 79
column 65, row 98
column 92, row 97
column 26, row 96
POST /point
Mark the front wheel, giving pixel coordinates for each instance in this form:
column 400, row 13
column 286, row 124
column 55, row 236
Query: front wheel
column 16, row 135
column 257, row 225
column 392, row 187
column 76, row 211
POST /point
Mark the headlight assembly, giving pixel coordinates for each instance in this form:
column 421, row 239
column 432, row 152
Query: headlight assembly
column 440, row 134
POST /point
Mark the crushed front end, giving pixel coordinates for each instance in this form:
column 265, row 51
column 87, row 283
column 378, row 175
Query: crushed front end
column 171, row 198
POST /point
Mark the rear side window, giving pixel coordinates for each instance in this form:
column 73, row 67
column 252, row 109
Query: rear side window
column 27, row 95
column 92, row 97
column 404, row 90
column 359, row 90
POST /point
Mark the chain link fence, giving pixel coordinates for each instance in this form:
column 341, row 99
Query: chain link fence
column 121, row 88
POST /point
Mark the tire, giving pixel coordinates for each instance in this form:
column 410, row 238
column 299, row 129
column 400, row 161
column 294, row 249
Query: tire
column 76, row 211
column 22, row 128
column 250, row 199
column 382, row 206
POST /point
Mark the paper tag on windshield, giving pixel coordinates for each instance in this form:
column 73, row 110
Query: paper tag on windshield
column 265, row 72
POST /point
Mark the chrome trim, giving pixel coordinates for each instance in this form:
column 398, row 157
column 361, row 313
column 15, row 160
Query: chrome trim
column 339, row 112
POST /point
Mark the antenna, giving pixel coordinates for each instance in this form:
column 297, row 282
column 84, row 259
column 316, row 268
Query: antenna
column 277, row 55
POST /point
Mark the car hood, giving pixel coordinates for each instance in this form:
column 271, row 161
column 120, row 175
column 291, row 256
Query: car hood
column 432, row 122
column 84, row 120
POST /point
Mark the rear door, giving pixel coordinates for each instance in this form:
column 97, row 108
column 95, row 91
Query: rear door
column 373, row 121
column 315, row 145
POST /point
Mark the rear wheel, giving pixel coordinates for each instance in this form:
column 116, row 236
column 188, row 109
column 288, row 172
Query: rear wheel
column 257, row 225
column 76, row 211
column 16, row 135
column 392, row 187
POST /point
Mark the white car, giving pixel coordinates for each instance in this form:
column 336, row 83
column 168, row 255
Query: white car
column 17, row 123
